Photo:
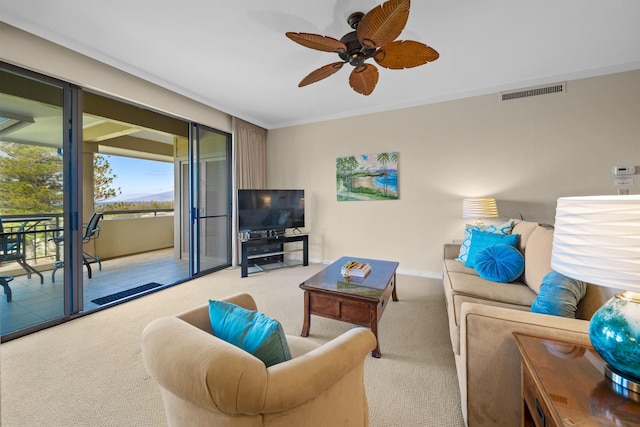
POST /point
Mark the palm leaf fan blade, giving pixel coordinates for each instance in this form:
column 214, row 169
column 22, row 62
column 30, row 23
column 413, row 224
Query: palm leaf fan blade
column 321, row 73
column 363, row 79
column 318, row 42
column 405, row 54
column 384, row 23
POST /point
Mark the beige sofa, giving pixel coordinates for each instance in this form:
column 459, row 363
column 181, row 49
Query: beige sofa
column 483, row 316
column 205, row 381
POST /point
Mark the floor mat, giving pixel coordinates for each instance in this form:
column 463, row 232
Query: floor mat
column 123, row 294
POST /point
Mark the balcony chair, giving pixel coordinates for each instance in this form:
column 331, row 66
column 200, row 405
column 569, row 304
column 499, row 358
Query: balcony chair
column 91, row 232
column 205, row 381
column 4, row 282
column 13, row 249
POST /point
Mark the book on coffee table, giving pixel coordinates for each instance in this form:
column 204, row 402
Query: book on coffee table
column 355, row 269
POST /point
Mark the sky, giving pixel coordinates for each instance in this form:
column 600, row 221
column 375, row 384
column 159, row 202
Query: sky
column 137, row 177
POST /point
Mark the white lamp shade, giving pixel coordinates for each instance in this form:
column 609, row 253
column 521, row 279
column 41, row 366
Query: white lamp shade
column 479, row 208
column 597, row 240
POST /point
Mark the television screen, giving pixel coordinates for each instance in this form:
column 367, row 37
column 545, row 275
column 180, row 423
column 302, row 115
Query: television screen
column 270, row 209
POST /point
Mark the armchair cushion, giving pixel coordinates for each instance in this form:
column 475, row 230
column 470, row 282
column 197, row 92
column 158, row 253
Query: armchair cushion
column 249, row 330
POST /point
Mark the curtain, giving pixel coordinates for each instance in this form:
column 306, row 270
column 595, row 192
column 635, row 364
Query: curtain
column 250, row 143
column 250, row 165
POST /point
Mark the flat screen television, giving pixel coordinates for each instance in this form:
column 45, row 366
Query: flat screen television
column 270, row 209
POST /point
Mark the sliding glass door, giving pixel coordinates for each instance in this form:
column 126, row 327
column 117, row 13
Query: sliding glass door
column 35, row 198
column 209, row 199
column 69, row 156
column 129, row 178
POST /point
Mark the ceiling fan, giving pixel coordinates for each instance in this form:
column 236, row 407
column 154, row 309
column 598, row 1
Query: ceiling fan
column 373, row 37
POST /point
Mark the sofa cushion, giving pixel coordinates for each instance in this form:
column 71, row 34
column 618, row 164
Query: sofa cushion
column 482, row 239
column 466, row 243
column 458, row 267
column 516, row 294
column 559, row 295
column 524, row 229
column 537, row 257
column 249, row 330
column 499, row 263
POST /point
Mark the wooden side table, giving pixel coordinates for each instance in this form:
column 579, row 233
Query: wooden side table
column 563, row 384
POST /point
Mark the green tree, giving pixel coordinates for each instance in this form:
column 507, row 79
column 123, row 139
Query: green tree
column 103, row 178
column 346, row 167
column 30, row 179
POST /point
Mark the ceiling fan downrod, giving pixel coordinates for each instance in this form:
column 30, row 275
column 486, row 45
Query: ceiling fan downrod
column 354, row 19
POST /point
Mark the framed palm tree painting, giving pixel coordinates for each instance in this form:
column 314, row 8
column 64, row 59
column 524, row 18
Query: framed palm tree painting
column 367, row 177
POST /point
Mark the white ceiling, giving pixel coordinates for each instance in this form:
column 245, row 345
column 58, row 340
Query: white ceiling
column 233, row 54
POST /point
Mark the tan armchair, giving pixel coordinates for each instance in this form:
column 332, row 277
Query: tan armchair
column 205, row 381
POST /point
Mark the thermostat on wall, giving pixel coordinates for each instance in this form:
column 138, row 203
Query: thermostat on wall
column 624, row 170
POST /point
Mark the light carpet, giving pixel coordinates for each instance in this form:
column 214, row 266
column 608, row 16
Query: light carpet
column 88, row 372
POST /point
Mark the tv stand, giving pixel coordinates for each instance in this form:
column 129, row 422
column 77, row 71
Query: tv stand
column 271, row 250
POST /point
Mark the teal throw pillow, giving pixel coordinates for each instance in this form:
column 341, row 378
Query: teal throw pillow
column 499, row 263
column 559, row 295
column 466, row 243
column 249, row 330
column 482, row 239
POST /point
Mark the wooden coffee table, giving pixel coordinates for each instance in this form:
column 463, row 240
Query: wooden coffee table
column 361, row 302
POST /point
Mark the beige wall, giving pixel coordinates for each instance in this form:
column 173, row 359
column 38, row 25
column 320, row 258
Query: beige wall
column 128, row 236
column 525, row 152
column 28, row 51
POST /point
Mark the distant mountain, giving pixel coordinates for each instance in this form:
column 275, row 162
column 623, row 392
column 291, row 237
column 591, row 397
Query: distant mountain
column 158, row 197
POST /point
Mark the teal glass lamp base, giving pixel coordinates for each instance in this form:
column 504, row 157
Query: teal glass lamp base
column 614, row 331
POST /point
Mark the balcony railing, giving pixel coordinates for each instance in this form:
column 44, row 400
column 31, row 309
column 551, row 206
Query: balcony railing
column 39, row 231
column 136, row 213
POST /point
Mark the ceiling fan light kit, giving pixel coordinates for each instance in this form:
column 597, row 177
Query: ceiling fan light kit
column 374, row 36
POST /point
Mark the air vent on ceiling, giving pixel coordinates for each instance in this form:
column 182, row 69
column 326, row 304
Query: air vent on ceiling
column 535, row 91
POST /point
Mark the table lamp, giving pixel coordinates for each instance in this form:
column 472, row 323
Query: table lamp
column 479, row 208
column 597, row 240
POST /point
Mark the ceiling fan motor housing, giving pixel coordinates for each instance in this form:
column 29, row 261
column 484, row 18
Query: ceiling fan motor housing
column 356, row 54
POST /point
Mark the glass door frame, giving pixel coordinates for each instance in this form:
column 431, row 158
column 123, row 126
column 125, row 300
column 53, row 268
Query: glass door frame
column 71, row 150
column 72, row 211
column 195, row 199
